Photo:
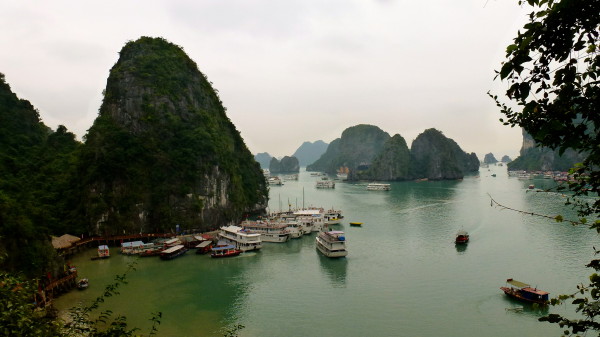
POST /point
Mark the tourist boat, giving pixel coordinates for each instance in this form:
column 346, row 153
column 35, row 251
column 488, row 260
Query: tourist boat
column 171, row 243
column 132, row 248
column 461, row 237
column 356, row 224
column 378, row 187
column 151, row 250
column 224, row 251
column 242, row 239
column 275, row 181
column 204, row 247
column 313, row 218
column 294, row 228
column 103, row 253
column 333, row 217
column 83, row 284
column 325, row 184
column 332, row 244
column 269, row 231
column 524, row 292
column 173, row 252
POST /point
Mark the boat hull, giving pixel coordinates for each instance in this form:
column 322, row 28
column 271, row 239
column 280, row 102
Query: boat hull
column 510, row 292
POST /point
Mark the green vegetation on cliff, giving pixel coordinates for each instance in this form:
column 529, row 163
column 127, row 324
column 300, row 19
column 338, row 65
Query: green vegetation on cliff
column 162, row 151
column 36, row 185
column 358, row 146
column 434, row 156
column 392, row 163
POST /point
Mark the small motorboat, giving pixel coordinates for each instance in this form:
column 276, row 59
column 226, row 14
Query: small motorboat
column 461, row 237
column 356, row 224
column 224, row 251
column 83, row 284
column 524, row 292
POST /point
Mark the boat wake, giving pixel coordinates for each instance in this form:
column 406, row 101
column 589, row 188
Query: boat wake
column 442, row 202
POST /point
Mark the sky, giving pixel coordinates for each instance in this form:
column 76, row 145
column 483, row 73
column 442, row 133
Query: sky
column 287, row 71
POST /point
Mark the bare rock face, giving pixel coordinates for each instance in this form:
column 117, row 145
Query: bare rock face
column 162, row 151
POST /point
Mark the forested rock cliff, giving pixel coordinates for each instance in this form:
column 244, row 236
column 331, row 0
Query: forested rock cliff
column 286, row 165
column 435, row 157
column 37, row 191
column 358, row 146
column 533, row 158
column 371, row 154
column 162, row 151
column 392, row 163
column 309, row 152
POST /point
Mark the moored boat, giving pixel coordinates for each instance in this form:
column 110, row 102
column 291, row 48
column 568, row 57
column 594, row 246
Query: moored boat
column 204, row 247
column 224, row 251
column 103, row 252
column 242, row 239
column 269, row 231
column 356, row 224
column 332, row 243
column 461, row 237
column 173, row 252
column 83, row 284
column 524, row 292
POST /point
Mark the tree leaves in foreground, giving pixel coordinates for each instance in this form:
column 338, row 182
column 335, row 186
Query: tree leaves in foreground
column 553, row 69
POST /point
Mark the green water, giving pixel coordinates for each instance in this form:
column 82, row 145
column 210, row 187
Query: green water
column 403, row 275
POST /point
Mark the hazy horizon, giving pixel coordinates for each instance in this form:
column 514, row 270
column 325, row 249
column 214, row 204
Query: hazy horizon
column 286, row 72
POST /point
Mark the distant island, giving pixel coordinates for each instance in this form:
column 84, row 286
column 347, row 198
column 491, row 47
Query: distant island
column 369, row 153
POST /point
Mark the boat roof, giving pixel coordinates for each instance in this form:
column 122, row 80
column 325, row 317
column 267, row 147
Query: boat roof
column 307, row 212
column 204, row 244
column 335, row 232
column 103, row 247
column 516, row 283
column 172, row 249
column 535, row 291
column 170, row 241
column 224, row 248
column 132, row 244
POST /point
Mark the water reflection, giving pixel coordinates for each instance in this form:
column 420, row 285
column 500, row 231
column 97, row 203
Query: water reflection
column 520, row 308
column 460, row 248
column 335, row 269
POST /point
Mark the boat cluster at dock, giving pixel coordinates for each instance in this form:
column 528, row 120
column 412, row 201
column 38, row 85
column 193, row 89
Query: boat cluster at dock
column 248, row 235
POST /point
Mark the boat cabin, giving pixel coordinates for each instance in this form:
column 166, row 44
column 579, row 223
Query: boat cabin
column 103, row 251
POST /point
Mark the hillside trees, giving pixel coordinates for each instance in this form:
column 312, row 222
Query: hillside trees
column 552, row 70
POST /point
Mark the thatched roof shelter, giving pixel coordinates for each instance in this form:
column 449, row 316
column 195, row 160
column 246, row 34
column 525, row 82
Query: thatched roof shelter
column 64, row 241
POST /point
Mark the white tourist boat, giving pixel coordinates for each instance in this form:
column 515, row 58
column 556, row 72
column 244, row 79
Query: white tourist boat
column 294, row 228
column 269, row 231
column 241, row 238
column 313, row 218
column 325, row 184
column 333, row 217
column 332, row 243
column 378, row 187
column 275, row 181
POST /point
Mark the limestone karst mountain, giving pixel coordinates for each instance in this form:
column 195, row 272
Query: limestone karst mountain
column 162, row 151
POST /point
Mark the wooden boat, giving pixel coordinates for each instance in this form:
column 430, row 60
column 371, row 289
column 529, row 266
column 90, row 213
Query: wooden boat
column 82, row 284
column 173, row 252
column 461, row 237
column 224, row 251
column 356, row 224
column 204, row 247
column 103, row 253
column 524, row 292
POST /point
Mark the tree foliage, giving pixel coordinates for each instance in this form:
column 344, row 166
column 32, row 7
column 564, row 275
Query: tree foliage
column 552, row 70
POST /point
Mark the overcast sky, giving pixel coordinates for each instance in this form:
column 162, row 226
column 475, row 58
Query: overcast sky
column 288, row 71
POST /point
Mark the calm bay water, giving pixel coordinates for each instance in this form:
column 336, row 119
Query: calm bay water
column 403, row 275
